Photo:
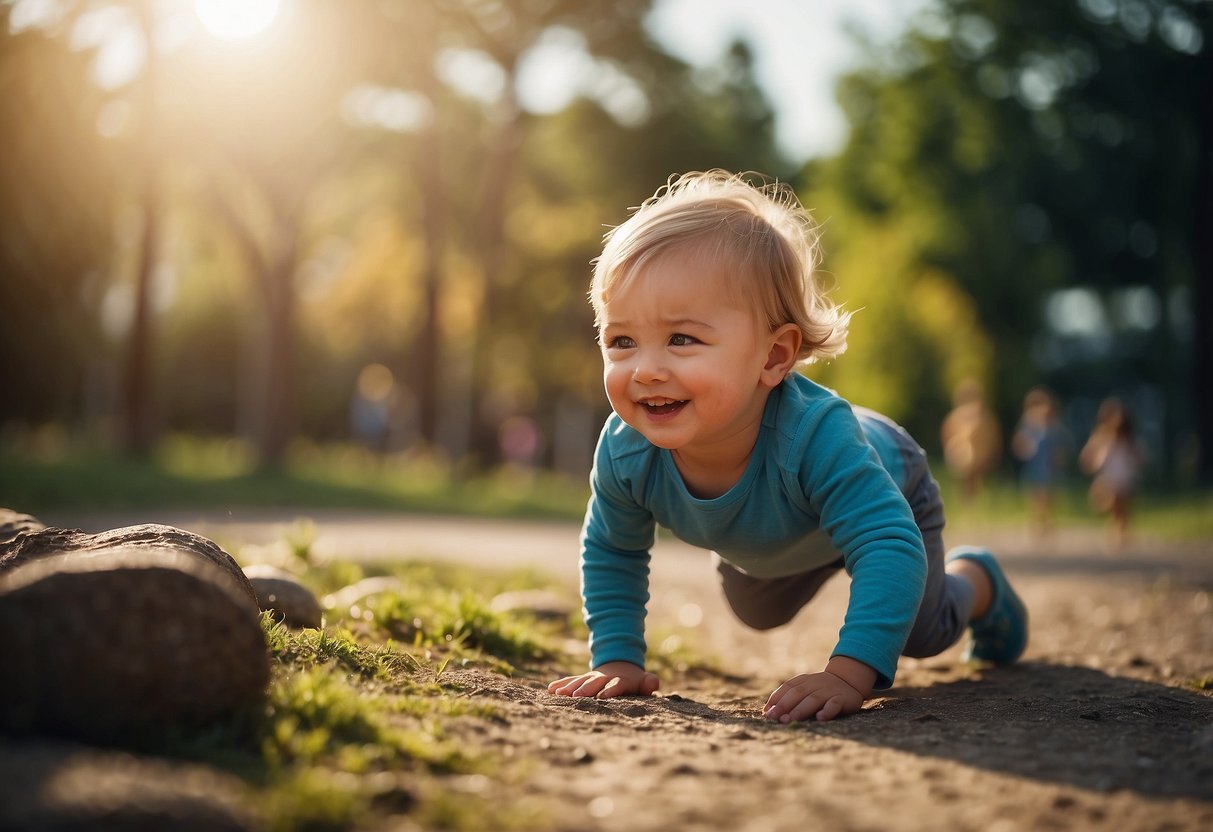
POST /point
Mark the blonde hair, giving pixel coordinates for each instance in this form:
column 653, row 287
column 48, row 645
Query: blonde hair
column 760, row 235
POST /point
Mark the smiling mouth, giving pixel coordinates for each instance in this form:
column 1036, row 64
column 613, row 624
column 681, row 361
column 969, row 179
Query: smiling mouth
column 663, row 407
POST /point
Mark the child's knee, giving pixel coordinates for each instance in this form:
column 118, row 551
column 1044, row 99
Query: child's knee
column 763, row 619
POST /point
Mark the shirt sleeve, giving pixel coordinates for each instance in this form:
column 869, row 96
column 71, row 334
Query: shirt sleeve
column 871, row 525
column 616, row 539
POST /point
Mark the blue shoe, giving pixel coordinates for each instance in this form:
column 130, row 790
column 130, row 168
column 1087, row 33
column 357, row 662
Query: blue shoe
column 1000, row 635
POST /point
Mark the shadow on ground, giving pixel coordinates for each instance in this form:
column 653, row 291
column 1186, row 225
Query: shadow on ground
column 1068, row 725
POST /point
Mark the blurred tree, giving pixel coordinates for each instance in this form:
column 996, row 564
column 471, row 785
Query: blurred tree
column 56, row 212
column 385, row 210
column 265, row 132
column 1029, row 148
column 516, row 180
column 138, row 415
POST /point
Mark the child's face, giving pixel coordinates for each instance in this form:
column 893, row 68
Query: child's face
column 682, row 363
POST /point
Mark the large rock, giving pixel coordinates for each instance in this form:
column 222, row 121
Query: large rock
column 13, row 523
column 135, row 628
column 40, row 542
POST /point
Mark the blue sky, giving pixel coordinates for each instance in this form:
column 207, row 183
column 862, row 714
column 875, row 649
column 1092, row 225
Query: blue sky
column 801, row 48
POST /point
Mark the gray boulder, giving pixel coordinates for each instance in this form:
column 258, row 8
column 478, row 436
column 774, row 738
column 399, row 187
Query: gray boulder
column 134, row 628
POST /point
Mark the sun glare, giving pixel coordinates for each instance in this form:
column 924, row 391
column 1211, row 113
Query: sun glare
column 236, row 19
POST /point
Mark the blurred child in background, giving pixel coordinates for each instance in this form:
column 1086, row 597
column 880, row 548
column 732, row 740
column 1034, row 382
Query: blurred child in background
column 1042, row 444
column 1113, row 458
column 972, row 438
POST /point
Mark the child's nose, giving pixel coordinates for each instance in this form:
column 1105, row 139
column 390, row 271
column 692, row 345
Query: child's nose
column 649, row 368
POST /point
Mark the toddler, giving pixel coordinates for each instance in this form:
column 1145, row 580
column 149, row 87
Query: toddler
column 1113, row 458
column 705, row 303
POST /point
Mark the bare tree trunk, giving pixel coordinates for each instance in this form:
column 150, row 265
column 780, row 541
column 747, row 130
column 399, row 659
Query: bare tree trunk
column 138, row 420
column 279, row 388
column 274, row 417
column 1202, row 289
column 490, row 245
column 138, row 417
column 424, row 350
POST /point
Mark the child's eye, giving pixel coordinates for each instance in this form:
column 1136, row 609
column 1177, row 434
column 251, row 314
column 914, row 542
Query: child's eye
column 680, row 340
column 620, row 342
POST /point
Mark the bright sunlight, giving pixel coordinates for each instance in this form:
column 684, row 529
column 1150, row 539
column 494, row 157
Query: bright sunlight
column 236, row 19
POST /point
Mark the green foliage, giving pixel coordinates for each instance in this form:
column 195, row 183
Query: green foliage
column 914, row 335
column 1011, row 150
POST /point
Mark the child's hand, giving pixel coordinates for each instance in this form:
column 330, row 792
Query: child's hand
column 838, row 690
column 608, row 680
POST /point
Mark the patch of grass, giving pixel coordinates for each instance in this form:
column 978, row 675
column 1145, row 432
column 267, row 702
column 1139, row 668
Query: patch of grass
column 219, row 474
column 309, row 648
column 356, row 727
column 1202, row 684
column 202, row 473
column 461, row 624
column 1159, row 510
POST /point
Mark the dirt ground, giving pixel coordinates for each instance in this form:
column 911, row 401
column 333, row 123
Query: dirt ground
column 1101, row 726
column 1106, row 724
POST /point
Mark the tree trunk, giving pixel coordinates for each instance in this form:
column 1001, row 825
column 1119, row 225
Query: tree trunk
column 138, row 420
column 138, row 417
column 424, row 349
column 278, row 422
column 1202, row 288
column 490, row 244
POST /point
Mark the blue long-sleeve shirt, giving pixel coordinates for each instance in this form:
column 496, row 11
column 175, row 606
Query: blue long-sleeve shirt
column 818, row 485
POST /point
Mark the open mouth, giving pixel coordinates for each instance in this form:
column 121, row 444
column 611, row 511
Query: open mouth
column 663, row 407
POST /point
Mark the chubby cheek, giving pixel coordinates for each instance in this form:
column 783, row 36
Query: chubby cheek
column 615, row 381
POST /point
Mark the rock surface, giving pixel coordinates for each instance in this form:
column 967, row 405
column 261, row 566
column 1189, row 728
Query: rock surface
column 37, row 541
column 282, row 593
column 136, row 628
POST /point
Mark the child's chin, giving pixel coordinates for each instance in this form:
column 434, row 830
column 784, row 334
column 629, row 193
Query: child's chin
column 663, row 442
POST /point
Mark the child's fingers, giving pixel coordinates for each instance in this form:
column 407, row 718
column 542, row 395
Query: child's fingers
column 568, row 684
column 554, row 687
column 650, row 684
column 612, row 688
column 778, row 695
column 592, row 685
column 805, row 708
column 829, row 710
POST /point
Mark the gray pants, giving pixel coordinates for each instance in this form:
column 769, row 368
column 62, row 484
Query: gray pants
column 943, row 615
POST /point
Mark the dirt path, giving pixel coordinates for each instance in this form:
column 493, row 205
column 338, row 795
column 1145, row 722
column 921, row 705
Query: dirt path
column 1101, row 727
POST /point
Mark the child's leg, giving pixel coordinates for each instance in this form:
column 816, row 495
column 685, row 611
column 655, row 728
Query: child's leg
column 1000, row 619
column 949, row 599
column 766, row 603
column 965, row 589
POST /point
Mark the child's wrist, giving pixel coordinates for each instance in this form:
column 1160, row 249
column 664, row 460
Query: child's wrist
column 855, row 673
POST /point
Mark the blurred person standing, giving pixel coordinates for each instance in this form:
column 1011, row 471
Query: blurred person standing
column 972, row 437
column 1042, row 445
column 1113, row 458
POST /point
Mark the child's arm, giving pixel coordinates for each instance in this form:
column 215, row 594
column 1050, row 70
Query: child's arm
column 869, row 522
column 615, row 542
column 605, row 681
column 838, row 690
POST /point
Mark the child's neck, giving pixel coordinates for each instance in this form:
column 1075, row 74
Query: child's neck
column 710, row 473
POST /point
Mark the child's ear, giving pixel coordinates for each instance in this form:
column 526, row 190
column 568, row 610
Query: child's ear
column 781, row 358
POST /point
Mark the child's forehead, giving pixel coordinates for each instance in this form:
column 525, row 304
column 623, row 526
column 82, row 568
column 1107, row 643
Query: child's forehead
column 679, row 276
column 672, row 288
